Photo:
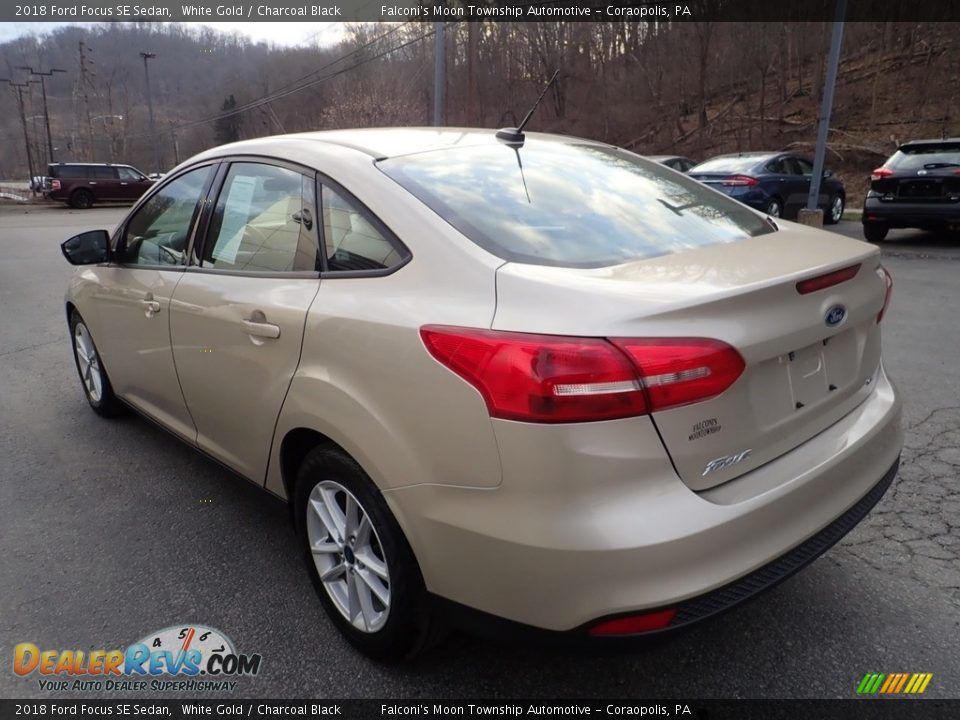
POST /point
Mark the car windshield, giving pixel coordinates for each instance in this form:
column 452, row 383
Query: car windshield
column 571, row 205
column 916, row 157
column 728, row 164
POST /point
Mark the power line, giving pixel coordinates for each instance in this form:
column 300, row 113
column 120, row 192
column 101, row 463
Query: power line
column 277, row 95
column 353, row 52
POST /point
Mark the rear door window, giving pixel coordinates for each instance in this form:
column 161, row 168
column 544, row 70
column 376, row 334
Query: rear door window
column 570, row 204
column 105, row 173
column 264, row 222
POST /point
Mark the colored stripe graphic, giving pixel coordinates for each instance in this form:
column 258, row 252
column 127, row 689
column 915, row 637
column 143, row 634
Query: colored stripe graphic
column 903, row 681
column 894, row 683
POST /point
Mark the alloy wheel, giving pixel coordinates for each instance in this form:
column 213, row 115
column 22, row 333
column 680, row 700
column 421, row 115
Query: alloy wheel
column 88, row 361
column 836, row 209
column 349, row 556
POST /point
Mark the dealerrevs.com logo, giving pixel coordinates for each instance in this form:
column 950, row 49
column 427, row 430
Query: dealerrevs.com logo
column 186, row 658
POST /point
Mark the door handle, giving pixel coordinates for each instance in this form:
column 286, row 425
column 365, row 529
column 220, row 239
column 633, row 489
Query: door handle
column 261, row 329
column 304, row 218
column 152, row 307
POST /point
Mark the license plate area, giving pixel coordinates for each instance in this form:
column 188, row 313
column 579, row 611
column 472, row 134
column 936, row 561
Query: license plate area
column 921, row 189
column 822, row 370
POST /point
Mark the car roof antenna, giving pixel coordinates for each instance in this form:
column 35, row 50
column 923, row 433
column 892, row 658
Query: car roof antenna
column 514, row 136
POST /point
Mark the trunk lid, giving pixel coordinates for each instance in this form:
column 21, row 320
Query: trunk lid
column 802, row 374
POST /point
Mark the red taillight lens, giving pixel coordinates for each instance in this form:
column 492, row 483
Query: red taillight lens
column 888, row 291
column 540, row 378
column 54, row 184
column 681, row 371
column 741, row 181
column 880, row 173
column 555, row 379
column 634, row 624
column 826, row 280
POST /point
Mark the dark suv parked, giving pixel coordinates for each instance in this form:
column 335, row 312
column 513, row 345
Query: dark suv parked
column 918, row 187
column 82, row 184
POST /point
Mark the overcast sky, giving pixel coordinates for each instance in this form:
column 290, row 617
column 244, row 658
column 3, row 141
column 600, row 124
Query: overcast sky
column 280, row 33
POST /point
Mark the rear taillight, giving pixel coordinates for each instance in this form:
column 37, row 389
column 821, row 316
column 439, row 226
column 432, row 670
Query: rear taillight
column 880, row 173
column 634, row 624
column 740, row 181
column 555, row 379
column 681, row 371
column 826, row 280
column 888, row 290
column 540, row 378
column 54, row 184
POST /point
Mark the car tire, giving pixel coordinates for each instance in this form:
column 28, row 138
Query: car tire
column 81, row 199
column 834, row 213
column 93, row 376
column 327, row 480
column 875, row 232
column 774, row 207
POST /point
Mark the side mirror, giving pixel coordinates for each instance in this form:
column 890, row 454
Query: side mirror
column 87, row 248
column 827, row 173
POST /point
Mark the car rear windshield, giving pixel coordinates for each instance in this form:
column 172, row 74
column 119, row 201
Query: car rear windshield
column 735, row 164
column 917, row 157
column 570, row 205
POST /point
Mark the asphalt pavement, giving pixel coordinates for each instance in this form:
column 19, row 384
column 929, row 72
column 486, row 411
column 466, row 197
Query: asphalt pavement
column 112, row 529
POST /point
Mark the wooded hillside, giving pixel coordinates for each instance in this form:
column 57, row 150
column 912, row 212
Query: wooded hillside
column 688, row 88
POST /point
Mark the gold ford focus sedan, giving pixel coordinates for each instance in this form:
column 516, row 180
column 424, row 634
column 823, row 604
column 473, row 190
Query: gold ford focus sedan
column 536, row 383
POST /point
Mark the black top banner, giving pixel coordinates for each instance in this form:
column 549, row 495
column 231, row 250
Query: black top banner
column 477, row 10
column 863, row 709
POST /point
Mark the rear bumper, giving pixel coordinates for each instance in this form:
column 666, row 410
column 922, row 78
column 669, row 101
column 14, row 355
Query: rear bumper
column 591, row 520
column 911, row 215
column 701, row 607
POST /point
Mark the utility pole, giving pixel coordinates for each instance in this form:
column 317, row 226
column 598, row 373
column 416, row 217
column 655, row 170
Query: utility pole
column 176, row 144
column 23, row 121
column 153, row 129
column 43, row 88
column 472, row 75
column 84, row 85
column 439, row 75
column 827, row 105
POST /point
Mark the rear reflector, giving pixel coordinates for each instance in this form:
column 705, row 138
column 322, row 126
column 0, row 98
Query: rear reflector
column 557, row 379
column 635, row 624
column 740, row 181
column 830, row 279
column 888, row 290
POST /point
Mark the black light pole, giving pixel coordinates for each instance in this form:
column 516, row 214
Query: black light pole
column 23, row 122
column 43, row 88
column 153, row 130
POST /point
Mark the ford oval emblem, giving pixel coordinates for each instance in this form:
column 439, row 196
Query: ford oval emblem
column 835, row 315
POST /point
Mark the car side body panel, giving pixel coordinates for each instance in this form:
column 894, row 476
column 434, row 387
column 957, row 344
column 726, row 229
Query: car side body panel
column 234, row 381
column 363, row 359
column 128, row 312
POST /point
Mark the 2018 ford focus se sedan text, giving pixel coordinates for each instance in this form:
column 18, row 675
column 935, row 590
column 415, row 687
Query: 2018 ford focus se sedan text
column 543, row 382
